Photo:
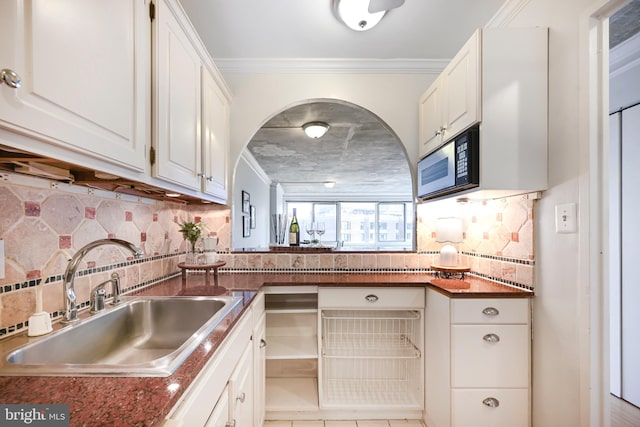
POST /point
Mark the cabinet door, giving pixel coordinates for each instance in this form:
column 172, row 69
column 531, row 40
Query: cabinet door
column 83, row 66
column 431, row 121
column 177, row 95
column 220, row 415
column 241, row 390
column 259, row 371
column 215, row 137
column 462, row 88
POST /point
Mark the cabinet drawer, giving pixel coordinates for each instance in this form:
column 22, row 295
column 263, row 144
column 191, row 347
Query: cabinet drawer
column 492, row 310
column 490, row 356
column 371, row 298
column 472, row 408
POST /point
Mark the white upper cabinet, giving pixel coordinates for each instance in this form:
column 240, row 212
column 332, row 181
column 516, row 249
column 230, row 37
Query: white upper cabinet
column 499, row 79
column 215, row 137
column 452, row 103
column 84, row 72
column 191, row 139
column 177, row 99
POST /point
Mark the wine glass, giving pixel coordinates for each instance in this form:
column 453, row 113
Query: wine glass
column 310, row 228
column 320, row 230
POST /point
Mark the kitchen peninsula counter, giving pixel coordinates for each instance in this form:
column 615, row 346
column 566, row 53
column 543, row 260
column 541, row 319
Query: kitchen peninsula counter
column 146, row 401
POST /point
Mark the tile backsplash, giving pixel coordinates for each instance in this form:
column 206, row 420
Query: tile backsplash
column 42, row 227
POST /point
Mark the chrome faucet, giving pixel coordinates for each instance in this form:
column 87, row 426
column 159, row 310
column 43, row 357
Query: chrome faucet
column 70, row 309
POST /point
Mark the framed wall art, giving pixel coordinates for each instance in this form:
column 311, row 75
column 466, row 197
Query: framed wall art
column 252, row 216
column 246, row 226
column 246, row 202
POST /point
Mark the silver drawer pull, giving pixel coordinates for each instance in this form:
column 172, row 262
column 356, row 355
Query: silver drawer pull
column 491, row 402
column 371, row 298
column 263, row 343
column 491, row 338
column 490, row 311
column 242, row 397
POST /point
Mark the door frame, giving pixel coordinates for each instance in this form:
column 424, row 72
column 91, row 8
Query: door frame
column 594, row 250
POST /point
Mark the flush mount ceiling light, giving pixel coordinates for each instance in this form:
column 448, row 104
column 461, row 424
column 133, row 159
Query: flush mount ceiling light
column 362, row 15
column 315, row 129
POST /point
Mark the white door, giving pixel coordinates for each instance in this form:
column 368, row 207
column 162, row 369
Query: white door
column 177, row 95
column 83, row 66
column 215, row 137
column 630, row 230
column 220, row 415
column 431, row 120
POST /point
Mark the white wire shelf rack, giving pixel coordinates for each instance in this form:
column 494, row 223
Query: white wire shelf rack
column 370, row 334
column 371, row 358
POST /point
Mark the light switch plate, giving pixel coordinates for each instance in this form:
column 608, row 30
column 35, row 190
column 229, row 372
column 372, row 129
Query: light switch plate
column 566, row 218
column 1, row 259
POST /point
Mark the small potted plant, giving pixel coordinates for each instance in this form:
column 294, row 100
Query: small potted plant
column 191, row 231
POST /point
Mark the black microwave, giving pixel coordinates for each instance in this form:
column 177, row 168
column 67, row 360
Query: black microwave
column 452, row 167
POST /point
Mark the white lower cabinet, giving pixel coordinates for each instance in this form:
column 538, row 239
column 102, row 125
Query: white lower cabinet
column 291, row 367
column 371, row 351
column 241, row 391
column 220, row 415
column 478, row 362
column 219, row 387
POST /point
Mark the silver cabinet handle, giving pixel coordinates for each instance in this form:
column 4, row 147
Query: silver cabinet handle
column 201, row 175
column 263, row 343
column 10, row 77
column 231, row 423
column 241, row 397
column 491, row 402
column 371, row 298
column 210, row 178
column 490, row 311
column 491, row 338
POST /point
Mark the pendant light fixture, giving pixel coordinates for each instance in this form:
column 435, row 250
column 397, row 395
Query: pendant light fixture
column 315, row 129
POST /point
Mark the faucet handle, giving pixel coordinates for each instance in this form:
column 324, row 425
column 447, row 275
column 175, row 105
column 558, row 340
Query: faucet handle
column 98, row 298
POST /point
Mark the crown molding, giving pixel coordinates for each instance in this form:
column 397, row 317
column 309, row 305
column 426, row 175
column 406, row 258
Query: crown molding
column 331, row 66
column 507, row 13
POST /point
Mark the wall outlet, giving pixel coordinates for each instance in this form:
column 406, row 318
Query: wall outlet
column 1, row 259
column 566, row 218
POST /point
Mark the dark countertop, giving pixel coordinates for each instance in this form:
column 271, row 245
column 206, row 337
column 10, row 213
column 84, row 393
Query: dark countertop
column 135, row 401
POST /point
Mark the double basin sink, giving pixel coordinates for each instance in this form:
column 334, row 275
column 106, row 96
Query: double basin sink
column 144, row 336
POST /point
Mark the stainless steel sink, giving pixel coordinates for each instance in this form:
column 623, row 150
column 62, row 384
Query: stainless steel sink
column 145, row 336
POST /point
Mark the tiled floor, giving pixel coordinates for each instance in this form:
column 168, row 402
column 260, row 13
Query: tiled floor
column 359, row 423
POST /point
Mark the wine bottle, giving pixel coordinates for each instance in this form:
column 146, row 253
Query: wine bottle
column 294, row 231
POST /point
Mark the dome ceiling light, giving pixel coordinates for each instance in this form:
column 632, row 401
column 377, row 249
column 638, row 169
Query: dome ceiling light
column 362, row 15
column 315, row 129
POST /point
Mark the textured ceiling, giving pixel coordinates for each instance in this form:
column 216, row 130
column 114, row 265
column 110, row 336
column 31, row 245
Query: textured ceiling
column 359, row 153
column 624, row 23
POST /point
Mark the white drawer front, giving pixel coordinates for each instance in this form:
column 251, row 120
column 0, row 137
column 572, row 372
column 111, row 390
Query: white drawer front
column 491, row 310
column 371, row 298
column 477, row 408
column 490, row 356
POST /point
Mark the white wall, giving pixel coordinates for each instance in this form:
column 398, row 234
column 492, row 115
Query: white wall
column 392, row 97
column 561, row 320
column 251, row 180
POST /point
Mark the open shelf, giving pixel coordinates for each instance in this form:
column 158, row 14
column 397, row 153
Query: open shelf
column 295, row 347
column 291, row 394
